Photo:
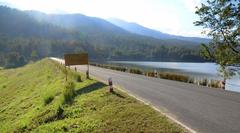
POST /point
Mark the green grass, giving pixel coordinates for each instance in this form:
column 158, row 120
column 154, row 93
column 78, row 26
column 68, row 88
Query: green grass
column 32, row 100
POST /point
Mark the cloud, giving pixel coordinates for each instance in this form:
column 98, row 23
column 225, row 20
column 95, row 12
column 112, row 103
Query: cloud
column 182, row 32
column 191, row 4
column 6, row 4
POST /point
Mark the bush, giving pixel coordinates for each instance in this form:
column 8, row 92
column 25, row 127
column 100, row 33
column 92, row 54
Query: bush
column 215, row 84
column 203, row 82
column 150, row 74
column 191, row 81
column 78, row 78
column 118, row 68
column 175, row 77
column 48, row 99
column 69, row 92
column 135, row 71
column 60, row 111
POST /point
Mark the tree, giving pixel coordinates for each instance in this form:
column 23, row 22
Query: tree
column 221, row 18
column 34, row 55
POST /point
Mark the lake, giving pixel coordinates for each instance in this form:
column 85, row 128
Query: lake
column 196, row 70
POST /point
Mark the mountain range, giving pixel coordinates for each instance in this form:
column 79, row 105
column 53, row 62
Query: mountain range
column 31, row 35
column 141, row 30
column 117, row 29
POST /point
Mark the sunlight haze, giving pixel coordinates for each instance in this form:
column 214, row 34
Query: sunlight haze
column 173, row 17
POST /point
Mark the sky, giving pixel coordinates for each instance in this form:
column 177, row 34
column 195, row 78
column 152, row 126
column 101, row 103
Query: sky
column 168, row 16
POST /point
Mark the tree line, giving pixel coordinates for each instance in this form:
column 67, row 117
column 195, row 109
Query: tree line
column 19, row 51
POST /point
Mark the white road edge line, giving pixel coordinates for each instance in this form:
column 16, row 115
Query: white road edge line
column 149, row 104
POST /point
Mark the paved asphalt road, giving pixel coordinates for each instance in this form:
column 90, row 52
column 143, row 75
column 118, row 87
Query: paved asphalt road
column 200, row 108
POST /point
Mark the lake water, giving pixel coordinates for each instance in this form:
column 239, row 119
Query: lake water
column 196, row 70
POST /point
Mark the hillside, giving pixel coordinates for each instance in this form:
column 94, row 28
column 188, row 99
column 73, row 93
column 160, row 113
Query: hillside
column 29, row 35
column 101, row 32
column 15, row 23
column 33, row 98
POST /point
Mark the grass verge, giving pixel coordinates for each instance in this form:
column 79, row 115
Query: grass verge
column 36, row 98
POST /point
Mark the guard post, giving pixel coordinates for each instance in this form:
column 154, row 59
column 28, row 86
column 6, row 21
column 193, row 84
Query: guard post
column 155, row 73
column 110, row 83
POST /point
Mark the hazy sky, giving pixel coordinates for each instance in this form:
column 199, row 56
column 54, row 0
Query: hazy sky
column 169, row 16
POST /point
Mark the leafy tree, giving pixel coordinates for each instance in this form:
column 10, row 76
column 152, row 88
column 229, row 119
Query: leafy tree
column 34, row 55
column 221, row 18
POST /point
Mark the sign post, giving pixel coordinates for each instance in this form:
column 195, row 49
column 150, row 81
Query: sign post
column 77, row 59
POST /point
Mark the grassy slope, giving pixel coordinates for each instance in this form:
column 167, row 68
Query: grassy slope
column 22, row 108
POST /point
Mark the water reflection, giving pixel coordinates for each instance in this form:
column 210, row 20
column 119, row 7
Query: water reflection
column 196, row 70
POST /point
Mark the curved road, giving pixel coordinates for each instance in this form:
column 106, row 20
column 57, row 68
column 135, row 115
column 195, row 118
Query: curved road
column 199, row 108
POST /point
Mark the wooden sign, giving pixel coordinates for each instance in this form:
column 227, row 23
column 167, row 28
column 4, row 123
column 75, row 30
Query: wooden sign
column 76, row 59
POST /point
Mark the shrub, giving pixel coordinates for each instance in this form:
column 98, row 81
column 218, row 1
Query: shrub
column 48, row 99
column 118, row 68
column 60, row 111
column 215, row 84
column 93, row 64
column 135, row 71
column 69, row 92
column 175, row 77
column 78, row 78
column 150, row 74
column 203, row 82
column 191, row 80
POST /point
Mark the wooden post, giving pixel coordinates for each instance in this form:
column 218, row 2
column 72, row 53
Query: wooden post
column 87, row 73
column 110, row 83
column 223, row 83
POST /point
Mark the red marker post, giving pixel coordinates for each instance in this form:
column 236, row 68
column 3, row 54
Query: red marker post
column 110, row 83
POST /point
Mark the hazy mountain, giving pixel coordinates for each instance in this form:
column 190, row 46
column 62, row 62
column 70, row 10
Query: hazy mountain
column 138, row 29
column 15, row 23
column 99, row 31
column 78, row 22
column 31, row 35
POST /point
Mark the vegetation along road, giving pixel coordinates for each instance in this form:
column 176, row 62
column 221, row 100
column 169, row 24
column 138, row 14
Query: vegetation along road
column 37, row 99
column 200, row 108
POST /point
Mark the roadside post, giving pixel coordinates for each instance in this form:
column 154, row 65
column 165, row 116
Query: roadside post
column 76, row 59
column 87, row 72
column 110, row 83
column 155, row 73
column 223, row 84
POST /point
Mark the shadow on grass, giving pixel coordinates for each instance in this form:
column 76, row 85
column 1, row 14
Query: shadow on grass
column 117, row 94
column 90, row 88
column 96, row 86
